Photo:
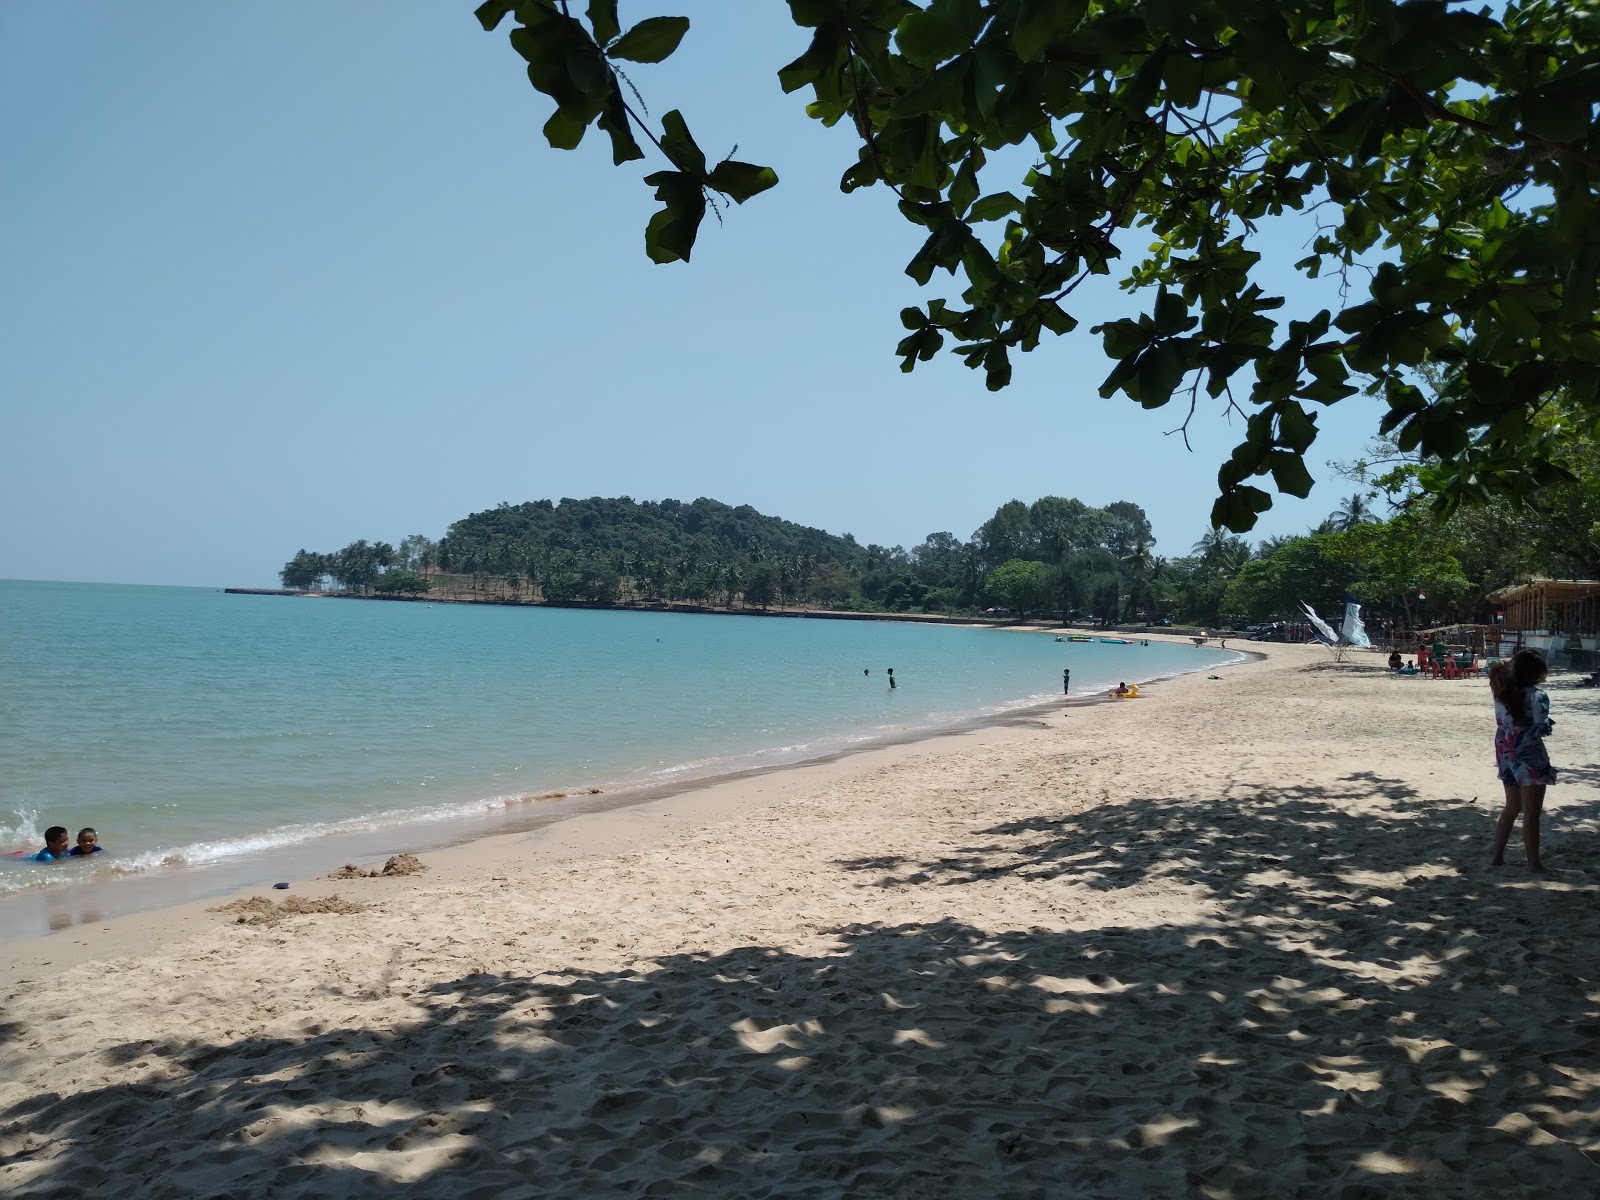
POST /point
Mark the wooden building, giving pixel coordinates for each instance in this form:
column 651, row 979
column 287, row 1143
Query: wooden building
column 1560, row 617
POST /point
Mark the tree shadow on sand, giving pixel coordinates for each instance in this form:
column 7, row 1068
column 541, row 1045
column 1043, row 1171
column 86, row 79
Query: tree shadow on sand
column 1340, row 1027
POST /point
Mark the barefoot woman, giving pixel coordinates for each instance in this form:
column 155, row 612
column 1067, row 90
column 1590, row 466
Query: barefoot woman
column 1522, row 718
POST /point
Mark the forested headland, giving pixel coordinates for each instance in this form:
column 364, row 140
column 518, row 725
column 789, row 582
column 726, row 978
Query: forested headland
column 1056, row 557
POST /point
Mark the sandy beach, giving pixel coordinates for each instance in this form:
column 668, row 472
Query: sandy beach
column 1236, row 938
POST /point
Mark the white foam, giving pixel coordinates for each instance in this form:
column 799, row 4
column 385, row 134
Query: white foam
column 216, row 851
column 23, row 832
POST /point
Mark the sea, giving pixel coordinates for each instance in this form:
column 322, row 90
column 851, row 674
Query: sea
column 216, row 741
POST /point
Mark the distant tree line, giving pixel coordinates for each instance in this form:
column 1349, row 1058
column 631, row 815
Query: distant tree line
column 1056, row 557
column 608, row 551
column 363, row 566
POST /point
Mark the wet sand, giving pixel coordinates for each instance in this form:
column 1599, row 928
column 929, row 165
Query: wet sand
column 1235, row 938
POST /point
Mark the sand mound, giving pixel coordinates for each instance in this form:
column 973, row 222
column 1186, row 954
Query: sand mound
column 404, row 864
column 259, row 910
column 399, row 864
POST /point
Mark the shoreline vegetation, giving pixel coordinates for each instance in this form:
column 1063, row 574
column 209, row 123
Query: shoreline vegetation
column 657, row 606
column 1057, row 559
column 984, row 963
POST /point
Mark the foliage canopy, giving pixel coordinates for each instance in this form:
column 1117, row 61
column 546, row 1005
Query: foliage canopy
column 1459, row 149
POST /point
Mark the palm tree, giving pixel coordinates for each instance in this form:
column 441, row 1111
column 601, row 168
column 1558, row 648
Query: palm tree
column 1354, row 512
column 1221, row 552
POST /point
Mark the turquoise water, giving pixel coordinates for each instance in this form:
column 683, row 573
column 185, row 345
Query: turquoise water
column 193, row 728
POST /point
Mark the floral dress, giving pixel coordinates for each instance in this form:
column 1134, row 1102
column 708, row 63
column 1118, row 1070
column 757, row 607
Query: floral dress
column 1519, row 753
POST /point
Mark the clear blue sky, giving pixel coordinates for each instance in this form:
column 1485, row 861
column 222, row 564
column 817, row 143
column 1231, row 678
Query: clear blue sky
column 291, row 274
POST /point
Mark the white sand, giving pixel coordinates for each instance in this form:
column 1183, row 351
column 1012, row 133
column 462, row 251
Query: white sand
column 1235, row 938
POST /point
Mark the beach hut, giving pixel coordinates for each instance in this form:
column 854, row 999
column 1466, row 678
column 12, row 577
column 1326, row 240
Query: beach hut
column 1560, row 617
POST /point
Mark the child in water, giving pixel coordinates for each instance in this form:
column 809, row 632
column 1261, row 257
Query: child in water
column 88, row 843
column 1522, row 718
column 55, row 845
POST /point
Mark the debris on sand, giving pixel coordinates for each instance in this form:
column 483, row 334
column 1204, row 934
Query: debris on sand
column 400, row 864
column 259, row 910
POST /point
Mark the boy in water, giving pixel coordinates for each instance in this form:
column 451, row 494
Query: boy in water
column 55, row 845
column 88, row 843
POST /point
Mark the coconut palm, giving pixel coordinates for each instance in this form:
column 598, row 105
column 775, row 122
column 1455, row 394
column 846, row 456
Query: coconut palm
column 1354, row 512
column 1221, row 552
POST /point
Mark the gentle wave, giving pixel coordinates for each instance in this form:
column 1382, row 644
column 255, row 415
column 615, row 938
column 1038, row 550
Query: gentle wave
column 200, row 854
column 219, row 738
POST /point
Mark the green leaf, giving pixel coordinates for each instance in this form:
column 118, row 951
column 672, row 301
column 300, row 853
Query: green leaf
column 1327, row 391
column 616, row 122
column 669, row 237
column 587, row 68
column 741, row 180
column 997, row 367
column 491, row 12
column 1290, row 474
column 822, row 59
column 928, row 36
column 1161, row 369
column 603, row 20
column 1040, row 23
column 965, row 188
column 1056, row 319
column 925, row 260
column 994, row 206
column 1556, row 116
column 1172, row 314
column 1238, row 507
column 563, row 130
column 1183, row 78
column 680, row 146
column 651, row 40
column 1297, row 429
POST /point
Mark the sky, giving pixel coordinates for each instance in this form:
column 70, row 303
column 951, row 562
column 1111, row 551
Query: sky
column 288, row 275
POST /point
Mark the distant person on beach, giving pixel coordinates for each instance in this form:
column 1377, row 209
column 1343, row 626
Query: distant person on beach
column 55, row 845
column 892, row 683
column 1522, row 719
column 1066, row 680
column 1395, row 662
column 1122, row 690
column 88, row 843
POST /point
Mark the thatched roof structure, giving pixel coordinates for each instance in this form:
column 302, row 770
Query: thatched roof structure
column 1569, row 606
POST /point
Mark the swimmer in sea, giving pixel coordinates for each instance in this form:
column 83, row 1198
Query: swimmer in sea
column 55, row 845
column 88, row 843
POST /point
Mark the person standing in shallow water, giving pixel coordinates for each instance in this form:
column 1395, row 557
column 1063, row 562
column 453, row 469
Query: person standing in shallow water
column 892, row 683
column 1522, row 719
column 1066, row 680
